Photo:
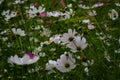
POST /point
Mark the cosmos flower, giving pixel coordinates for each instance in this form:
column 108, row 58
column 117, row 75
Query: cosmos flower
column 43, row 15
column 18, row 31
column 88, row 63
column 113, row 14
column 66, row 63
column 9, row 14
column 33, row 12
column 53, row 14
column 92, row 13
column 19, row 1
column 25, row 60
column 98, row 4
column 50, row 66
column 55, row 39
column 83, row 6
column 86, row 21
column 78, row 44
column 68, row 37
column 91, row 26
column 117, row 4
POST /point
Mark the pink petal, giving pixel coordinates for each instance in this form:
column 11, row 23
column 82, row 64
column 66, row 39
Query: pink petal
column 31, row 56
column 43, row 15
column 62, row 3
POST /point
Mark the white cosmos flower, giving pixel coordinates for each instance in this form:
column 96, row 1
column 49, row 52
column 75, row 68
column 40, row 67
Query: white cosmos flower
column 117, row 4
column 83, row 6
column 25, row 60
column 34, row 11
column 86, row 21
column 66, row 63
column 55, row 39
column 86, row 70
column 53, row 14
column 98, row 4
column 9, row 14
column 18, row 31
column 19, row 1
column 91, row 26
column 92, row 13
column 50, row 66
column 68, row 37
column 88, row 63
column 113, row 14
column 79, row 43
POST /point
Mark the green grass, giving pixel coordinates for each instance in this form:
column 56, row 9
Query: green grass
column 102, row 69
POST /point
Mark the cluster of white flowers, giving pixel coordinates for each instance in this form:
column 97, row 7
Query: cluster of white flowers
column 87, row 64
column 74, row 42
column 33, row 12
column 56, row 39
column 63, row 15
column 36, row 69
column 90, row 24
column 98, row 4
column 8, row 15
column 19, row 1
column 18, row 31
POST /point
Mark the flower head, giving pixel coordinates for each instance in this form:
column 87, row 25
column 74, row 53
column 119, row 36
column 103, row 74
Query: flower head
column 18, row 31
column 50, row 66
column 25, row 60
column 68, row 37
column 113, row 14
column 79, row 43
column 66, row 63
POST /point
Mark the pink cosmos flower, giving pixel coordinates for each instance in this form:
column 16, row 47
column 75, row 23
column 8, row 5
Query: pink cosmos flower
column 62, row 3
column 98, row 4
column 43, row 15
column 31, row 56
